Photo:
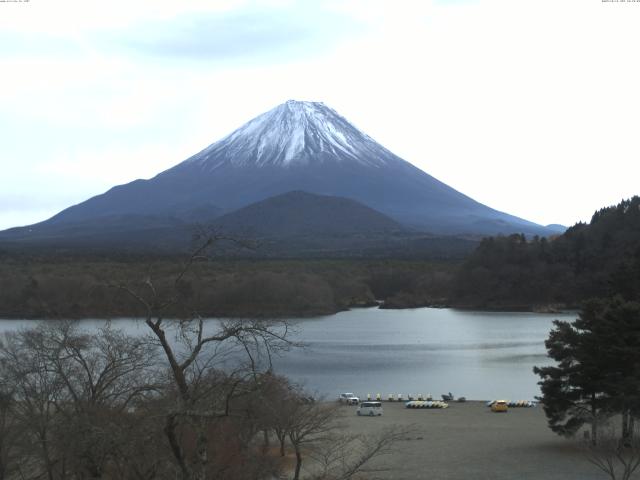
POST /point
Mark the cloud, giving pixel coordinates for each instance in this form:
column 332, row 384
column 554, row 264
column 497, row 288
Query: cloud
column 267, row 35
column 20, row 202
column 101, row 169
column 18, row 44
column 240, row 31
column 78, row 17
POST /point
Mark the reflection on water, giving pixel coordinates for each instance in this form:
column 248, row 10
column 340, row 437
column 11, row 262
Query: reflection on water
column 480, row 355
column 421, row 346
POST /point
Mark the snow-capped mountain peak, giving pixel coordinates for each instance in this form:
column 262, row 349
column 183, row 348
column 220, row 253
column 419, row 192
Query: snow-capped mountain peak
column 295, row 132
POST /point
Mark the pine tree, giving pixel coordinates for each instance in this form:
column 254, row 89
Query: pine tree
column 598, row 368
column 616, row 325
column 573, row 391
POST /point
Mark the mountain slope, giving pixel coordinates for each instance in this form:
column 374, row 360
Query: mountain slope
column 301, row 146
column 119, row 232
column 300, row 213
column 292, row 225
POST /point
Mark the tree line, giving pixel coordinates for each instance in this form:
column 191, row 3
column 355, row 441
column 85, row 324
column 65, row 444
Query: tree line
column 79, row 287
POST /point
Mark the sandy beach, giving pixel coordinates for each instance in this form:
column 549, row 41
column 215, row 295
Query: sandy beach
column 468, row 441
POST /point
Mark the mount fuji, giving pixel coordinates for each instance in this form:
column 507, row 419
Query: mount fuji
column 297, row 146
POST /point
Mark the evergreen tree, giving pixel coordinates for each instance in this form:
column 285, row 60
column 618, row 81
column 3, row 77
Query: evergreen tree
column 573, row 391
column 616, row 326
column 598, row 369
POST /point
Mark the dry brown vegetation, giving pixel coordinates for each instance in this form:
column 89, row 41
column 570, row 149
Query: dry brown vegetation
column 105, row 405
column 72, row 287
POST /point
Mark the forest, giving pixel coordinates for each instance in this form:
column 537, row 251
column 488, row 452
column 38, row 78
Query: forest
column 588, row 260
column 68, row 287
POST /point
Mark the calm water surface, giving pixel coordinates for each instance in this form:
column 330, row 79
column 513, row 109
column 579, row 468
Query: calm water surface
column 480, row 355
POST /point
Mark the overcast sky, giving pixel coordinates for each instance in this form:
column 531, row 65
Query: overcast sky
column 529, row 106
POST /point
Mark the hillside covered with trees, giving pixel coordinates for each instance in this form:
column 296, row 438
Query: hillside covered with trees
column 588, row 260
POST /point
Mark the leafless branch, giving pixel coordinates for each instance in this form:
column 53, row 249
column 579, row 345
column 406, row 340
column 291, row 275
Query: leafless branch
column 616, row 457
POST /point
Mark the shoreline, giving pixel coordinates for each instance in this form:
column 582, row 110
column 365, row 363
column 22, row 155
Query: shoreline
column 314, row 315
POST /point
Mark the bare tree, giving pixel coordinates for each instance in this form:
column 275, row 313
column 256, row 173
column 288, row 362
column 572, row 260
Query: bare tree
column 309, row 423
column 192, row 348
column 103, row 374
column 277, row 403
column 140, row 450
column 9, row 433
column 618, row 457
column 314, row 427
column 73, row 394
column 343, row 457
column 37, row 390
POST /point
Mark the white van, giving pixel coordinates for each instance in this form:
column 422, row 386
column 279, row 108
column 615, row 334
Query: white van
column 349, row 399
column 370, row 408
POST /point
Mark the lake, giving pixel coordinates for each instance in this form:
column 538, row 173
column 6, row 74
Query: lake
column 480, row 355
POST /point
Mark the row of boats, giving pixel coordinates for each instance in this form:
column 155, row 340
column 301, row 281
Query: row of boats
column 427, row 401
column 439, row 404
column 426, row 404
column 515, row 404
column 420, row 398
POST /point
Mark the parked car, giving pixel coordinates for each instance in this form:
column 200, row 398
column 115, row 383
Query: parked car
column 499, row 406
column 349, row 399
column 370, row 408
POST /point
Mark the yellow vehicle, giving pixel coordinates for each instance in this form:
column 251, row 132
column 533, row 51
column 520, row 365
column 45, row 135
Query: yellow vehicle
column 499, row 406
